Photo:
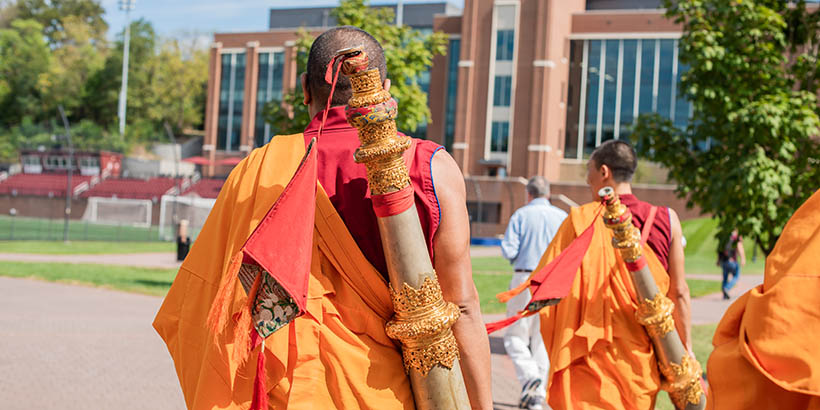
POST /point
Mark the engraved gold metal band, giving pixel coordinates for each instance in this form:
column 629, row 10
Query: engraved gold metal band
column 423, row 323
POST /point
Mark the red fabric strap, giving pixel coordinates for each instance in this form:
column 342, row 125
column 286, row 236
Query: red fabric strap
column 393, row 203
column 647, row 226
column 496, row 326
column 637, row 265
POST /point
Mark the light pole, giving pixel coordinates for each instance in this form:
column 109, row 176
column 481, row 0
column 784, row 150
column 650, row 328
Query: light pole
column 173, row 139
column 399, row 13
column 127, row 6
column 69, row 193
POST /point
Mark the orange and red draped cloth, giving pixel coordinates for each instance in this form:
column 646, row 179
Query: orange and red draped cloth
column 767, row 353
column 600, row 356
column 316, row 299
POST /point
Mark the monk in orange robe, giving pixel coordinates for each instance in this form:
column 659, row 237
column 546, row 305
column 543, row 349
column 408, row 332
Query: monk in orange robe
column 767, row 353
column 336, row 355
column 600, row 356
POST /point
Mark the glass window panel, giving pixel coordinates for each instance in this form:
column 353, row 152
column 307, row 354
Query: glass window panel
column 269, row 88
column 224, row 101
column 630, row 49
column 261, row 97
column 610, row 90
column 647, row 76
column 665, row 78
column 452, row 93
column 238, row 100
column 576, row 54
column 682, row 106
column 593, row 73
column 499, row 136
column 505, row 41
column 502, row 91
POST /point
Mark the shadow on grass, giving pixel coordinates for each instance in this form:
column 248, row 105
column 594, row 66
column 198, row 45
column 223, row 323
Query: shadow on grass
column 154, row 283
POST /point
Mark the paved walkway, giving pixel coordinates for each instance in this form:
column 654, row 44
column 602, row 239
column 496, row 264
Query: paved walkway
column 75, row 348
column 162, row 260
column 71, row 346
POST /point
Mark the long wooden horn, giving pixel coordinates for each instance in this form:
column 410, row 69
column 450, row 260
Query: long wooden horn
column 680, row 370
column 423, row 320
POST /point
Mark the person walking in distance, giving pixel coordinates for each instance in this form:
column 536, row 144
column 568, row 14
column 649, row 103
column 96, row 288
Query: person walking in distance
column 731, row 257
column 530, row 230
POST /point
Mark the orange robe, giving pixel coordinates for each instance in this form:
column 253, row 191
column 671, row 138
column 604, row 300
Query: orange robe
column 767, row 346
column 337, row 355
column 600, row 356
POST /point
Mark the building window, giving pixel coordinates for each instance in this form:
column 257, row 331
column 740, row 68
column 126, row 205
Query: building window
column 502, row 83
column 269, row 87
column 594, row 52
column 502, row 91
column 500, row 136
column 484, row 212
column 231, row 98
column 31, row 160
column 452, row 93
column 614, row 82
column 505, row 41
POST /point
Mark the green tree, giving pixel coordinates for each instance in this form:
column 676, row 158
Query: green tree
column 408, row 52
column 179, row 82
column 78, row 57
column 103, row 86
column 25, row 61
column 53, row 14
column 747, row 155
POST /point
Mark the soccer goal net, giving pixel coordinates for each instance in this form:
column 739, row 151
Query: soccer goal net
column 118, row 211
column 173, row 209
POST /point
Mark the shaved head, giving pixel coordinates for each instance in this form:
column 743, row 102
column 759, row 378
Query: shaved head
column 324, row 48
column 619, row 156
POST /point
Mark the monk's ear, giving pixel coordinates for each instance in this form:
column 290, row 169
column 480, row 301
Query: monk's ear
column 605, row 172
column 305, row 89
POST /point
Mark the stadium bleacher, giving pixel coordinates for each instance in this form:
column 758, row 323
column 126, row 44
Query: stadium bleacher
column 205, row 188
column 131, row 188
column 88, row 186
column 40, row 184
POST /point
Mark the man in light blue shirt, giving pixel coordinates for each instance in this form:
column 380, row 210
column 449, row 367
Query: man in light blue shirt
column 528, row 234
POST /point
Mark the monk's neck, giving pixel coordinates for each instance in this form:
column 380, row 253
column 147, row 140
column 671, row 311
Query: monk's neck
column 623, row 188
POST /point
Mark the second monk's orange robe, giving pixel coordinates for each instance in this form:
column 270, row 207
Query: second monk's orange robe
column 600, row 356
column 767, row 346
column 337, row 355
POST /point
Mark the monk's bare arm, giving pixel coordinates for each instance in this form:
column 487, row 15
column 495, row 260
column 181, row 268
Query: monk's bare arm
column 454, row 269
column 741, row 252
column 678, row 288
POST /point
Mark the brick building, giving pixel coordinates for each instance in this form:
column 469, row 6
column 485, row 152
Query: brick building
column 527, row 87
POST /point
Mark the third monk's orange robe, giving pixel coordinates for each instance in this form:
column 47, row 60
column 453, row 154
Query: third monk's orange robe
column 337, row 355
column 600, row 356
column 767, row 346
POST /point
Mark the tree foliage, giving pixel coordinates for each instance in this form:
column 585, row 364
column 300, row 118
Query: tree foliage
column 748, row 155
column 55, row 15
column 54, row 52
column 408, row 52
column 25, row 61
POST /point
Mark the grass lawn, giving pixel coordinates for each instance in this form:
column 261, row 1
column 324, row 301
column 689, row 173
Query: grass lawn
column 702, row 345
column 87, row 247
column 21, row 228
column 701, row 249
column 140, row 280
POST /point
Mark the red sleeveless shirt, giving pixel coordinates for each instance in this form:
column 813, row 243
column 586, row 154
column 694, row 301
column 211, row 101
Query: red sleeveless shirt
column 660, row 235
column 345, row 182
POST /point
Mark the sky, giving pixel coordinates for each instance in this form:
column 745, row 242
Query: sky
column 203, row 17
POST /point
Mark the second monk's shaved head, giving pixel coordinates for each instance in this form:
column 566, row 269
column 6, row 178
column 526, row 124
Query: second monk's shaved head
column 324, row 48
